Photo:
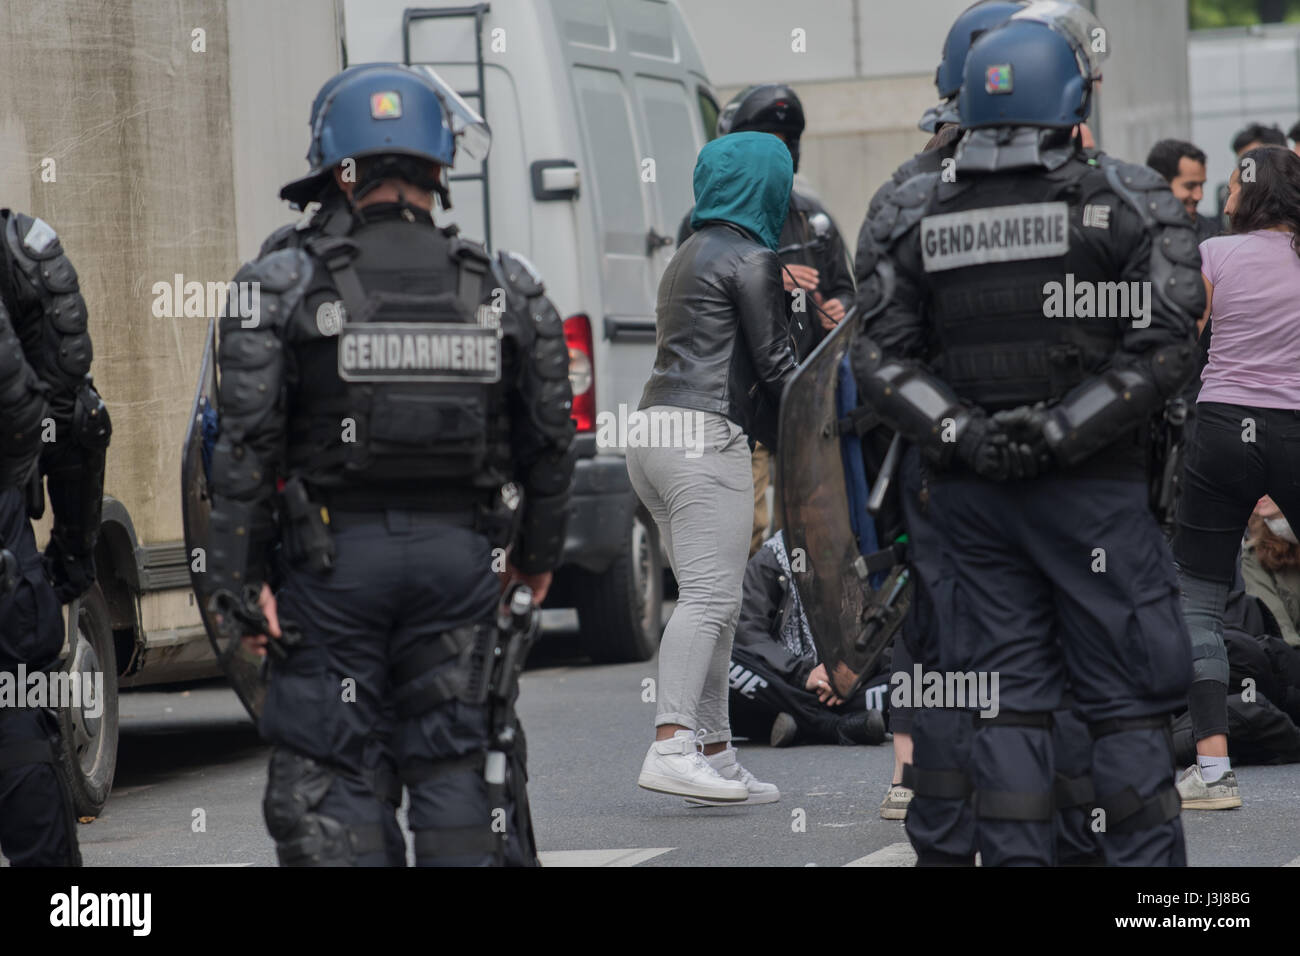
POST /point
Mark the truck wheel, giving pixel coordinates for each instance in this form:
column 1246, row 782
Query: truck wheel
column 620, row 612
column 90, row 742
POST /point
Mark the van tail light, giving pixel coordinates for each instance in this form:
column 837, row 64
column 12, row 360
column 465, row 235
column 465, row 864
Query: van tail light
column 582, row 371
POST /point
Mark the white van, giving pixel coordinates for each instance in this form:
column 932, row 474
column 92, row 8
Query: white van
column 598, row 109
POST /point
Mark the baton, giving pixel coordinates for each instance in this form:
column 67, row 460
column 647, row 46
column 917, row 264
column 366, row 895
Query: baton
column 886, row 476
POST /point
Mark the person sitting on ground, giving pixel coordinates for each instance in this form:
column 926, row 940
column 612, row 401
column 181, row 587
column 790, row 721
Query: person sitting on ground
column 1270, row 566
column 779, row 689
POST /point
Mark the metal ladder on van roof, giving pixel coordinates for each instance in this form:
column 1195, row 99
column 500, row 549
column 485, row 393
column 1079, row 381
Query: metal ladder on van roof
column 478, row 10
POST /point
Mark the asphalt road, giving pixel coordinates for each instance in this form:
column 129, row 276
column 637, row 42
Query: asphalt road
column 191, row 773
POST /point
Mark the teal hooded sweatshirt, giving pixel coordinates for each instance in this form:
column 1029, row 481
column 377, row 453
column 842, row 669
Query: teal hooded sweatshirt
column 745, row 179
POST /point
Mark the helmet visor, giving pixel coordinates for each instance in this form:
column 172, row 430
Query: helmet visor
column 470, row 129
column 1084, row 31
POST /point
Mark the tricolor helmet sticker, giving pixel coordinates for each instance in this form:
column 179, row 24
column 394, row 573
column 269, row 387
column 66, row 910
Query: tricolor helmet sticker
column 998, row 79
column 386, row 105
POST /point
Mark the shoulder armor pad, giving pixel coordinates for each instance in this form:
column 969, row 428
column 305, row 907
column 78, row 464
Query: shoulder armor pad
column 279, row 271
column 33, row 238
column 281, row 279
column 1147, row 192
column 1175, row 253
column 902, row 205
column 521, row 275
column 38, row 253
column 280, row 239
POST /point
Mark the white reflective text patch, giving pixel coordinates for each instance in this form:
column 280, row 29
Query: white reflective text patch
column 996, row 234
column 418, row 351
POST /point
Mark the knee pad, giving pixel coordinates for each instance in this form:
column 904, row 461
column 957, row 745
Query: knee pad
column 1136, row 752
column 295, row 787
column 31, row 739
column 1009, row 740
column 456, row 783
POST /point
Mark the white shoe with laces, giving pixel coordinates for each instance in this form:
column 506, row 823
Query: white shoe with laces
column 727, row 764
column 678, row 766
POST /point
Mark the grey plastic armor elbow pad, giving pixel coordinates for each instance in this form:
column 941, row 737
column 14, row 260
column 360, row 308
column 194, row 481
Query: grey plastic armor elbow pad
column 1097, row 412
column 912, row 401
column 541, row 536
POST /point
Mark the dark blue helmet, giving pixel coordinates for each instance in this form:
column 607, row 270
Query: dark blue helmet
column 965, row 29
column 1025, row 73
column 384, row 109
column 973, row 21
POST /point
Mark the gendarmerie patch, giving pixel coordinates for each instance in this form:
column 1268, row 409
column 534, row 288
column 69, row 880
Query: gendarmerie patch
column 418, row 352
column 996, row 234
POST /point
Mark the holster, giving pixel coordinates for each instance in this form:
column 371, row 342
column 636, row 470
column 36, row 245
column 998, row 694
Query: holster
column 305, row 532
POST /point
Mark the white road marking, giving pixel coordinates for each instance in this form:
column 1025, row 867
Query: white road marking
column 193, row 865
column 896, row 854
column 1295, row 862
column 602, row 857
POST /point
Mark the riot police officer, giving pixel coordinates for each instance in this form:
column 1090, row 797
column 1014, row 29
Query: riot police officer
column 1032, row 419
column 934, row 795
column 55, row 427
column 396, row 417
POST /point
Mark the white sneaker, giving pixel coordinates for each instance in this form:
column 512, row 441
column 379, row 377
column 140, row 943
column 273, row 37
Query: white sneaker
column 1223, row 794
column 678, row 766
column 727, row 764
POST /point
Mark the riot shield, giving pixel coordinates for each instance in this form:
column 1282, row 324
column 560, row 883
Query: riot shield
column 243, row 668
column 851, row 621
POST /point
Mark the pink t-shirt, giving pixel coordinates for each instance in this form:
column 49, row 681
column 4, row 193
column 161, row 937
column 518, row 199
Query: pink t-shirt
column 1255, row 348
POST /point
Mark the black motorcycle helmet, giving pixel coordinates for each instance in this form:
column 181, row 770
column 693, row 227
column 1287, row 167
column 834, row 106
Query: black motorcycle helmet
column 768, row 108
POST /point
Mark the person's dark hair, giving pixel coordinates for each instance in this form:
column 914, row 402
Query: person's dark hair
column 1271, row 197
column 948, row 134
column 1274, row 553
column 1258, row 133
column 1166, row 155
column 372, row 170
column 1293, row 133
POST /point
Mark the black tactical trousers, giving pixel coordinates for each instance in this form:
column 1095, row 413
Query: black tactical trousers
column 941, row 821
column 37, row 827
column 344, row 747
column 1046, row 584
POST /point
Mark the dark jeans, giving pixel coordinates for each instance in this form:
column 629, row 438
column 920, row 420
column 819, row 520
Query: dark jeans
column 1237, row 454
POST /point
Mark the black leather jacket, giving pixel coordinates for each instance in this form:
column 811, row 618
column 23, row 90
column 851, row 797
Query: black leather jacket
column 722, row 341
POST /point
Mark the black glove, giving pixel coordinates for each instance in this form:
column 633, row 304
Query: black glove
column 70, row 574
column 1029, row 453
column 983, row 447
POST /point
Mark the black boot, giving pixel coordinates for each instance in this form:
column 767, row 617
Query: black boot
column 866, row 727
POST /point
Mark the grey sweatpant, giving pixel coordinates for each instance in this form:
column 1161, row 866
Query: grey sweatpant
column 703, row 505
